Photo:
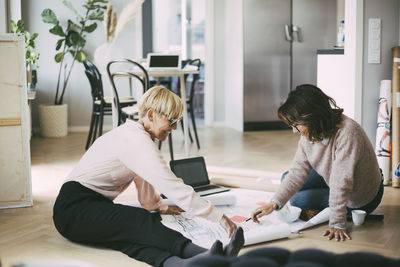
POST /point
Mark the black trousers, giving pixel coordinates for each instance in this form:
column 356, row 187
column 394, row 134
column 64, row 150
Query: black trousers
column 85, row 216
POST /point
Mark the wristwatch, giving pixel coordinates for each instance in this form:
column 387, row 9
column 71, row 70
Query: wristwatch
column 278, row 206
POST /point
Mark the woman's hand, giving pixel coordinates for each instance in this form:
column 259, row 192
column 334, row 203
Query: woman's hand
column 228, row 225
column 338, row 234
column 262, row 211
column 172, row 210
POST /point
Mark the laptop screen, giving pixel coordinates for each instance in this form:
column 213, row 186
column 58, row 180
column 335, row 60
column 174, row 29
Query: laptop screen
column 163, row 61
column 192, row 171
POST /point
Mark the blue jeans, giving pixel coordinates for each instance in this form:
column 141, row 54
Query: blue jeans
column 315, row 195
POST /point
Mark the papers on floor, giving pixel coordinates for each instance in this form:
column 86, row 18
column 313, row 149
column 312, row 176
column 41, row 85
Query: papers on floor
column 321, row 217
column 204, row 233
column 237, row 204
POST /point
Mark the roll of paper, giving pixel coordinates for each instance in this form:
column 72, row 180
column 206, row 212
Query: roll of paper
column 264, row 234
column 395, row 115
column 383, row 144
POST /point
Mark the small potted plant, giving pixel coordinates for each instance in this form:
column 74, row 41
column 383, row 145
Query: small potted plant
column 31, row 56
column 69, row 50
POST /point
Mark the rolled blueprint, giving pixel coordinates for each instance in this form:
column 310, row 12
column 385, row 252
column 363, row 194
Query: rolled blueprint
column 395, row 115
column 264, row 234
column 383, row 144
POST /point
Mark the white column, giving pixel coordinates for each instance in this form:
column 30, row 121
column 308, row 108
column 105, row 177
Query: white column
column 186, row 29
column 353, row 51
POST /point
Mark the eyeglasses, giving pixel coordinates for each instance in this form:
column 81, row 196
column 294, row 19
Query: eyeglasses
column 172, row 122
column 295, row 127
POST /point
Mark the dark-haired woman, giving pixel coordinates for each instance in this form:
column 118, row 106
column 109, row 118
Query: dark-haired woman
column 335, row 164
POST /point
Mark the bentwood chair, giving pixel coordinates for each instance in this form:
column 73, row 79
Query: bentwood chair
column 126, row 68
column 101, row 105
column 130, row 70
column 192, row 79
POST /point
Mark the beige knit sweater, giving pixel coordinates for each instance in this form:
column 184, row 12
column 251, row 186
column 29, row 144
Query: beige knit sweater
column 347, row 163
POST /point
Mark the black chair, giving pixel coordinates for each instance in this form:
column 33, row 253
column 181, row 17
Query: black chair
column 101, row 105
column 127, row 68
column 192, row 78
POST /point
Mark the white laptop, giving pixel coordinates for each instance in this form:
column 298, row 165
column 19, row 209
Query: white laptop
column 156, row 61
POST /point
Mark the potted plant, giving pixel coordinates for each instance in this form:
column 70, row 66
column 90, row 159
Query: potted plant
column 30, row 55
column 69, row 49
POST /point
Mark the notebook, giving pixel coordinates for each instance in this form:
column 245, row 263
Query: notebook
column 193, row 172
column 163, row 61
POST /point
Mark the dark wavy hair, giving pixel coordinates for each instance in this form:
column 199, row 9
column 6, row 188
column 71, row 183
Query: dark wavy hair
column 308, row 105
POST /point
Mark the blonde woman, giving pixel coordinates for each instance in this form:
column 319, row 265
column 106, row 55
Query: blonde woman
column 84, row 211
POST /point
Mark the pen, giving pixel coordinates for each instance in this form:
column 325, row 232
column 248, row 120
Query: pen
column 259, row 212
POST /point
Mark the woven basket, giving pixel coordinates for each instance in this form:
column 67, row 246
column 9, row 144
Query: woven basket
column 53, row 120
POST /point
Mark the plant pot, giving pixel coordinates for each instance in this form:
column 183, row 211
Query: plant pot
column 53, row 120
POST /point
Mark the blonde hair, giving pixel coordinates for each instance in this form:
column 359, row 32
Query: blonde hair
column 161, row 100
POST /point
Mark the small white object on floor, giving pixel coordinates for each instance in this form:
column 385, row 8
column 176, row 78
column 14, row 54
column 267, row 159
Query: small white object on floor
column 358, row 216
column 289, row 213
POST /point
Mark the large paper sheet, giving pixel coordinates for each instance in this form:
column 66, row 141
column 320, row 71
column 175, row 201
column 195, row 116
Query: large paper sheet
column 204, row 233
column 321, row 217
column 240, row 204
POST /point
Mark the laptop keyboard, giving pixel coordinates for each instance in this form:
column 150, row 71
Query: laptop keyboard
column 206, row 187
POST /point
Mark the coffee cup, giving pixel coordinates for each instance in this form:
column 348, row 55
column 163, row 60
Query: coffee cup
column 358, row 216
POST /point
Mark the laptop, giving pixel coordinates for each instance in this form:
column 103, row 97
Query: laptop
column 193, row 172
column 157, row 61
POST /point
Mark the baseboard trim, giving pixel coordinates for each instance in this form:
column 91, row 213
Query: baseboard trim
column 75, row 129
column 264, row 126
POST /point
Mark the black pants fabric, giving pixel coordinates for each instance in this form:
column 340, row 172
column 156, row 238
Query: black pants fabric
column 85, row 216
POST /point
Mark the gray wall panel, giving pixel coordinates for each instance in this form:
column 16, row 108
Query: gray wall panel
column 388, row 11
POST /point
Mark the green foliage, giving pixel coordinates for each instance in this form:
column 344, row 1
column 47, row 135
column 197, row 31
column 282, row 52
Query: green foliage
column 73, row 36
column 30, row 55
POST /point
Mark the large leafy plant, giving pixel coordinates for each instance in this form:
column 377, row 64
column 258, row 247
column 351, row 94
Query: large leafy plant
column 30, row 55
column 72, row 38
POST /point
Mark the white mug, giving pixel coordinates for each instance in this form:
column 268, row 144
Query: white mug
column 358, row 216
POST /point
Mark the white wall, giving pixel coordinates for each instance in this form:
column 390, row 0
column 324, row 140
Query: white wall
column 388, row 11
column 224, row 74
column 219, row 60
column 353, row 59
column 77, row 94
column 234, row 64
column 3, row 17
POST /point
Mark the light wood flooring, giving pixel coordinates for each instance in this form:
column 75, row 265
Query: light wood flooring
column 28, row 234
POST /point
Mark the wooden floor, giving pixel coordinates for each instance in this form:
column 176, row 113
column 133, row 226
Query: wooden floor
column 28, row 234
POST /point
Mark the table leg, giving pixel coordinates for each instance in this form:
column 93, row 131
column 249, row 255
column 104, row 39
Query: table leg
column 185, row 115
